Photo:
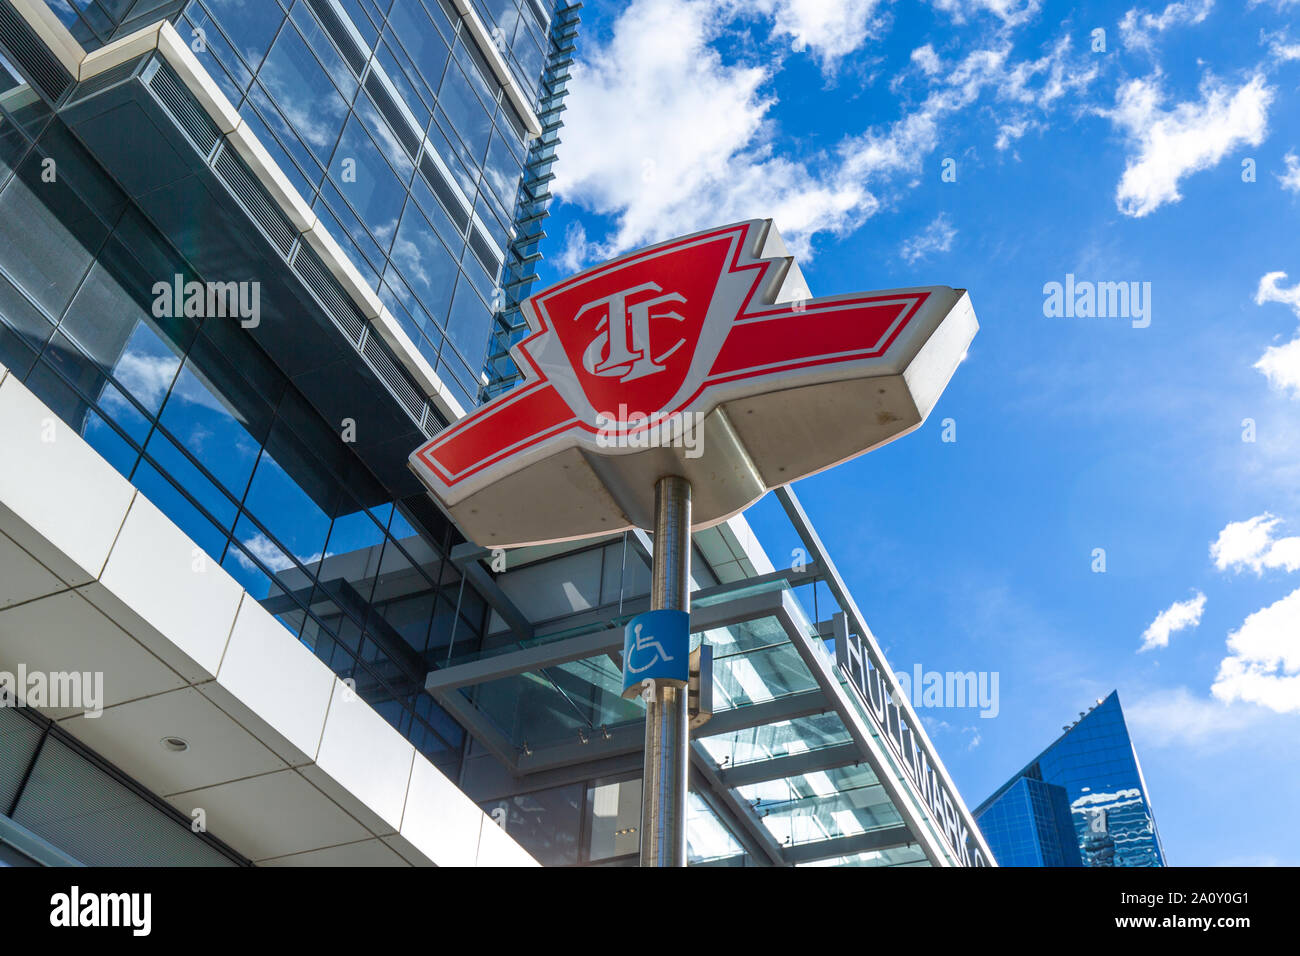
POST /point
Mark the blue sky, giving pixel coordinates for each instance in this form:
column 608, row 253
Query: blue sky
column 1072, row 434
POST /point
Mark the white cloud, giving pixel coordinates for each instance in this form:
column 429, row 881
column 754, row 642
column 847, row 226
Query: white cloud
column 147, row 377
column 1263, row 666
column 1170, row 717
column 577, row 250
column 1281, row 366
column 272, row 558
column 831, row 29
column 1171, row 144
column 1022, row 86
column 1290, row 179
column 1008, row 133
column 1270, row 290
column 936, row 237
column 1280, row 47
column 927, row 60
column 1250, row 544
column 1178, row 616
column 1010, row 12
column 1139, row 31
column 664, row 136
column 1280, row 363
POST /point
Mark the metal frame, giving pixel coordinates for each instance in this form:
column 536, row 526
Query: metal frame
column 575, row 761
column 812, row 541
column 885, row 839
column 618, row 750
column 791, row 765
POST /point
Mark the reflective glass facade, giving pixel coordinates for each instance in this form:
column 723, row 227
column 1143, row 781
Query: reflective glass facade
column 1030, row 825
column 1102, row 795
column 213, row 432
column 387, row 118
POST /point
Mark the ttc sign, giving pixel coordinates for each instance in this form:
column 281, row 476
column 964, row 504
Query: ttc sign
column 703, row 357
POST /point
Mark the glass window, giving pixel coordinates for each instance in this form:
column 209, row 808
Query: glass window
column 368, row 182
column 477, row 71
column 300, row 166
column 13, row 144
column 250, row 26
column 73, row 409
column 405, row 618
column 531, row 58
column 409, row 25
column 486, row 284
column 15, row 354
column 443, row 15
column 768, row 741
column 30, row 328
column 545, row 823
column 502, row 170
column 172, row 462
column 218, row 56
column 428, row 268
column 218, row 417
column 400, row 157
column 823, row 805
column 95, row 388
column 329, row 58
column 356, row 544
column 357, row 14
column 415, row 93
column 282, row 506
column 614, row 819
column 469, row 323
column 470, row 120
column 707, row 839
column 457, row 159
column 303, row 92
column 132, row 350
column 49, row 236
column 434, row 209
column 353, row 237
column 467, row 395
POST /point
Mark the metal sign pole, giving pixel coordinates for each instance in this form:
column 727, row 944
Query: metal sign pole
column 667, row 729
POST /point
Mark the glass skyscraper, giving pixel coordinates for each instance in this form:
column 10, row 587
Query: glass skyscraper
column 1082, row 802
column 252, row 255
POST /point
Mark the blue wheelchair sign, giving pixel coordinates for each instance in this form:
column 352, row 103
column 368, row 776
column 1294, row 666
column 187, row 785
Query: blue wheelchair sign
column 656, row 646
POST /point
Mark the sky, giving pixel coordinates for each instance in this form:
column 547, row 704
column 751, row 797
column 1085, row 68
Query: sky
column 1117, row 505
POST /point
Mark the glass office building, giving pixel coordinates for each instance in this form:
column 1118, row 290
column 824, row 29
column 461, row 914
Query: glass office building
column 1030, row 825
column 251, row 256
column 1082, row 802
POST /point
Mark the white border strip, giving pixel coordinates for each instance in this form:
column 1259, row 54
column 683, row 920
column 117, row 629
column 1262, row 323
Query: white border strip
column 499, row 66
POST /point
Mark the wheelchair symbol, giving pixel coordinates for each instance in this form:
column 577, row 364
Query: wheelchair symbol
column 641, row 643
